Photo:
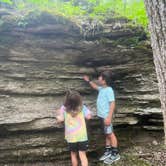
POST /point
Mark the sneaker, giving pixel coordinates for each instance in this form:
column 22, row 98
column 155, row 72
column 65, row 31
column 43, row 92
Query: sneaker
column 112, row 159
column 106, row 155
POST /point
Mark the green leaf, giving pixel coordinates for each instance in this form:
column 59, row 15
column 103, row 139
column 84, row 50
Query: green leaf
column 7, row 1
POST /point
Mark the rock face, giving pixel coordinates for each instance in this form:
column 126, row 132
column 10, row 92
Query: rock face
column 41, row 61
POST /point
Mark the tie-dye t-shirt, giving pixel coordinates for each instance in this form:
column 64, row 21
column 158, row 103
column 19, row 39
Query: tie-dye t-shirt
column 75, row 127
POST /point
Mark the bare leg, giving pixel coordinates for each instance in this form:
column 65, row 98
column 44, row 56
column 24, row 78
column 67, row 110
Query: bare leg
column 83, row 158
column 108, row 141
column 113, row 140
column 74, row 159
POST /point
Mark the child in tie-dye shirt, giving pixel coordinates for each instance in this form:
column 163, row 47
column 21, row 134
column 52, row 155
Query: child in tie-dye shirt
column 73, row 113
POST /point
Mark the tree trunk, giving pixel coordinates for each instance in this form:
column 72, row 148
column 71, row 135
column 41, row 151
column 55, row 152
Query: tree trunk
column 156, row 11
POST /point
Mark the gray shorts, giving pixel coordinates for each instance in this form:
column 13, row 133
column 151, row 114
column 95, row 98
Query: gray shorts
column 106, row 129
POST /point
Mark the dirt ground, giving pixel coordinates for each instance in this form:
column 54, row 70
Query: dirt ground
column 140, row 148
column 137, row 147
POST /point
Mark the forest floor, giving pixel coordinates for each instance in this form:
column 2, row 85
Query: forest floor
column 137, row 148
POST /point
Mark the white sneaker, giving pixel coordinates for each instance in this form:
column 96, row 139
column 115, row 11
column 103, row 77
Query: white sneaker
column 112, row 159
column 106, row 155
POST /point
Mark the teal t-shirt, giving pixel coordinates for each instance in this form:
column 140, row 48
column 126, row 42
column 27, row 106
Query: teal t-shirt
column 105, row 97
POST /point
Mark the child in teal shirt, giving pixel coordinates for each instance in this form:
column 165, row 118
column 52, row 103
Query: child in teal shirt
column 105, row 110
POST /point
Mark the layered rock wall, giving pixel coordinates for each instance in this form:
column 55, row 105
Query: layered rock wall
column 41, row 61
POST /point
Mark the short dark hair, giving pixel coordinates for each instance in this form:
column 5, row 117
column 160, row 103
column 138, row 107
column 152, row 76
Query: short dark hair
column 107, row 76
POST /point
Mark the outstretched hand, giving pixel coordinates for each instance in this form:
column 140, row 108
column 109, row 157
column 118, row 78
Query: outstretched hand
column 92, row 84
column 59, row 116
column 86, row 78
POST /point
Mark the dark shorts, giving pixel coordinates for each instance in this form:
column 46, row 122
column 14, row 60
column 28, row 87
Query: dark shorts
column 78, row 146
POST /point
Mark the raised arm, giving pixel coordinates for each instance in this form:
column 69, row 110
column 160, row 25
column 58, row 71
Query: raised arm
column 91, row 83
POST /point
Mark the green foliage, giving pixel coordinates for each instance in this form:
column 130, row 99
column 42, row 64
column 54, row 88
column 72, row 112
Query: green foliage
column 7, row 1
column 131, row 9
column 135, row 10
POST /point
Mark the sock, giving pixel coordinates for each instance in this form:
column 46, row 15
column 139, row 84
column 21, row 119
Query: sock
column 108, row 148
column 114, row 151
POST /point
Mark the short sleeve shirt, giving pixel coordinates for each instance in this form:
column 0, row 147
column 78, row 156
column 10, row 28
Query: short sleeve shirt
column 75, row 127
column 105, row 97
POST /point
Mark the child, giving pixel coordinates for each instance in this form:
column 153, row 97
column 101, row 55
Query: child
column 105, row 110
column 73, row 113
